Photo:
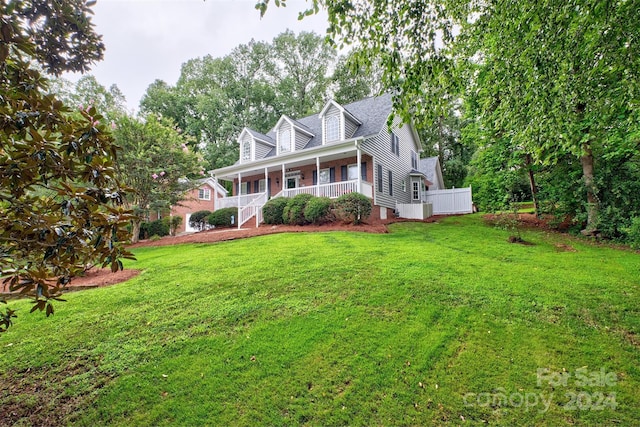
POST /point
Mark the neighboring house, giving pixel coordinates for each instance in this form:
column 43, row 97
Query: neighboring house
column 342, row 149
column 201, row 197
column 431, row 169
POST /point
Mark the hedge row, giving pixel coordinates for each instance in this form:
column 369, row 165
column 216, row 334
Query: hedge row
column 307, row 209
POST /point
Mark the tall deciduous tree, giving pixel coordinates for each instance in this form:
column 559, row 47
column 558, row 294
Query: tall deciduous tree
column 299, row 66
column 559, row 76
column 155, row 160
column 59, row 199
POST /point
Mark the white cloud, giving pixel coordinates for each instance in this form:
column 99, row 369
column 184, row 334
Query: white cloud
column 150, row 39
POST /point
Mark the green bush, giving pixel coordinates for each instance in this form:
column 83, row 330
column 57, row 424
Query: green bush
column 293, row 212
column 174, row 223
column 353, row 207
column 318, row 210
column 273, row 209
column 222, row 217
column 158, row 227
column 198, row 220
column 633, row 233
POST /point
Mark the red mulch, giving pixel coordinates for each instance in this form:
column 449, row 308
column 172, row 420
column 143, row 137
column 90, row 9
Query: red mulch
column 213, row 236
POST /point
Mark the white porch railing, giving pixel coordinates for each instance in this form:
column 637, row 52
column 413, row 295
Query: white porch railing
column 332, row 190
column 232, row 201
column 254, row 208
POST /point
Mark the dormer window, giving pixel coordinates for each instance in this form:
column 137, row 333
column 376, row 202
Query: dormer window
column 285, row 141
column 333, row 129
column 246, row 150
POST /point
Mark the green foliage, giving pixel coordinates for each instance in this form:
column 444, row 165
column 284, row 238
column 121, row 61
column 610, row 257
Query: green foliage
column 174, row 223
column 198, row 220
column 368, row 322
column 318, row 210
column 293, row 212
column 154, row 163
column 633, row 233
column 222, row 217
column 159, row 227
column 215, row 98
column 60, row 202
column 353, row 207
column 272, row 211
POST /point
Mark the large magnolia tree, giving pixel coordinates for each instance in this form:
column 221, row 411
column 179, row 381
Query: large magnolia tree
column 60, row 204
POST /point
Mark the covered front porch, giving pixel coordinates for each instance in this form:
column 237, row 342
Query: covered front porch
column 330, row 171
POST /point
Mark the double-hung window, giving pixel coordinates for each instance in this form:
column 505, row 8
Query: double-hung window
column 416, row 190
column 414, row 160
column 325, row 176
column 204, row 194
column 395, row 144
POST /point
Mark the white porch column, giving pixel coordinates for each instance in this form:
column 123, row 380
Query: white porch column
column 215, row 193
column 359, row 168
column 238, row 194
column 317, row 190
column 283, row 181
column 266, row 181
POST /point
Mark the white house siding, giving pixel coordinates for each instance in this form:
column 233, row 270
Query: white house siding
column 301, row 140
column 380, row 147
column 349, row 128
column 262, row 149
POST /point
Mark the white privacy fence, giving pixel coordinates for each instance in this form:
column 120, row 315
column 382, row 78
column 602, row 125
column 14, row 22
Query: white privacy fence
column 414, row 210
column 453, row 201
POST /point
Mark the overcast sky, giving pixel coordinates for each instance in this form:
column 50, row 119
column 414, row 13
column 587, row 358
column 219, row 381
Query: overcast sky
column 150, row 39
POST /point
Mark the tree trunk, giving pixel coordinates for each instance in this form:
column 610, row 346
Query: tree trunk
column 532, row 184
column 593, row 205
column 135, row 230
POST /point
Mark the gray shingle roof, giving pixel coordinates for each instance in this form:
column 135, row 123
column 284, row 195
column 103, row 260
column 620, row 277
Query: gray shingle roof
column 262, row 136
column 428, row 168
column 371, row 112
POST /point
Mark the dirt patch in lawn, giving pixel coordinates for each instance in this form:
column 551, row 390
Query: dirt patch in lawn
column 48, row 396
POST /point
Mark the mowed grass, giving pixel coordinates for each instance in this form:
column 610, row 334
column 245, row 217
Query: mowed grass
column 443, row 323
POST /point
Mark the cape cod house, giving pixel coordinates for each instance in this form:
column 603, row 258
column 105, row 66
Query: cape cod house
column 341, row 149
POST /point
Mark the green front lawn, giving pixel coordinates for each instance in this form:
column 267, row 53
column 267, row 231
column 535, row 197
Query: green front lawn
column 430, row 324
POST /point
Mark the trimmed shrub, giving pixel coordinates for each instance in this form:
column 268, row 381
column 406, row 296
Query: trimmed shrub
column 222, row 217
column 293, row 213
column 353, row 207
column 158, row 227
column 273, row 209
column 318, row 210
column 198, row 220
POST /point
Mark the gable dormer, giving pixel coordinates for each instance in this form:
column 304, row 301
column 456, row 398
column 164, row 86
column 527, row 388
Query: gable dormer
column 291, row 135
column 338, row 123
column 253, row 145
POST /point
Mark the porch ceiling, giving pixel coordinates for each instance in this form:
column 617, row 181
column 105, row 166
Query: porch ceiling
column 274, row 164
